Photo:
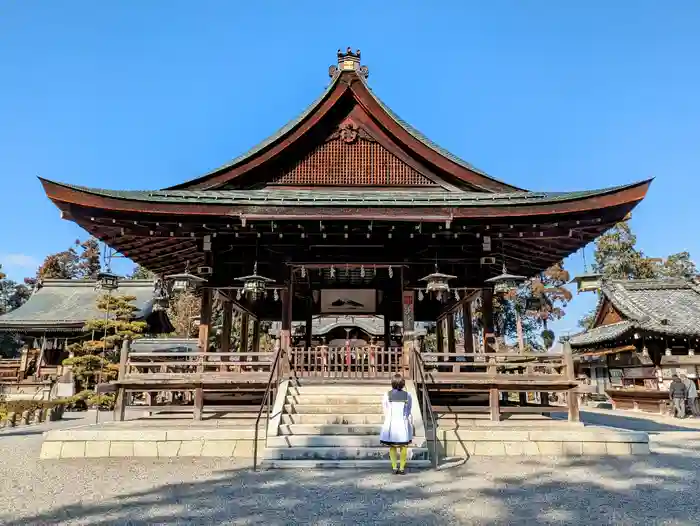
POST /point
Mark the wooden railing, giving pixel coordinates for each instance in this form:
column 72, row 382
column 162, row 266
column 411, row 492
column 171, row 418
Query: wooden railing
column 347, row 362
column 198, row 362
column 9, row 370
column 506, row 372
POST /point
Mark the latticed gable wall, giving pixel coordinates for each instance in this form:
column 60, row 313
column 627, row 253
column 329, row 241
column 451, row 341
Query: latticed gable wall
column 350, row 156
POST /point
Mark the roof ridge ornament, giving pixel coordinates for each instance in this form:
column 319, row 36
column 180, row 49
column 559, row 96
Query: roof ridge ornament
column 349, row 60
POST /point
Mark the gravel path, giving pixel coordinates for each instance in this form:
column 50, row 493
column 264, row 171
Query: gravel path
column 660, row 489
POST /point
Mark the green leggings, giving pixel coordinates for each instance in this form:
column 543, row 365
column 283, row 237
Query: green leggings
column 393, row 456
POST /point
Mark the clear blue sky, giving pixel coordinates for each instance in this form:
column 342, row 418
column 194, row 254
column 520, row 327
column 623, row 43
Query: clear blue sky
column 546, row 95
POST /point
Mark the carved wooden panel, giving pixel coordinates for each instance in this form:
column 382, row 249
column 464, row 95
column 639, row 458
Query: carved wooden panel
column 610, row 315
column 350, row 157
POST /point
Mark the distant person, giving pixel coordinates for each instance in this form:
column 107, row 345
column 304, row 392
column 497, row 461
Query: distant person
column 677, row 393
column 397, row 430
column 691, row 395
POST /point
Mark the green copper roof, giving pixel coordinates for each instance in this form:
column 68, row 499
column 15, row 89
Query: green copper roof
column 65, row 305
column 354, row 198
column 303, row 115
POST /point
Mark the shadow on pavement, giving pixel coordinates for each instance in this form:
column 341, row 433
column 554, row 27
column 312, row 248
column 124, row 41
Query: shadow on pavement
column 643, row 490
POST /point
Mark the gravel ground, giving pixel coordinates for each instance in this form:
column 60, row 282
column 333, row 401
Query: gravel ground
column 660, row 489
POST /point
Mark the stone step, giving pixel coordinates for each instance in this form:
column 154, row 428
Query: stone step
column 339, row 418
column 315, row 409
column 338, row 453
column 343, row 389
column 333, row 399
column 335, row 441
column 329, row 429
column 340, row 464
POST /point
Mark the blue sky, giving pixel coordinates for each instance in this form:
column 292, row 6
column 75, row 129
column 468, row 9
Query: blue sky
column 546, row 95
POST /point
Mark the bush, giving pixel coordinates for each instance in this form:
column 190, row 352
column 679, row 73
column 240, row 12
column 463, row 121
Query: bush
column 103, row 402
column 19, row 406
column 79, row 401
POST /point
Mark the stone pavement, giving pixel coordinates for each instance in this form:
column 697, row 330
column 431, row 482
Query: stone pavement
column 652, row 490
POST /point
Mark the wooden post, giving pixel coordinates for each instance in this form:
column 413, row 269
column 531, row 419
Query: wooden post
column 572, row 394
column 387, row 319
column 256, row 337
column 309, row 321
column 205, row 319
column 120, row 402
column 468, row 329
column 450, row 330
column 244, row 332
column 487, row 319
column 227, row 322
column 439, row 347
column 519, row 329
column 198, row 403
column 41, row 358
column 494, row 405
column 286, row 331
column 408, row 317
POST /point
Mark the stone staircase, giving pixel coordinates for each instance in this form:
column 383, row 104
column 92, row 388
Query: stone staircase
column 333, row 426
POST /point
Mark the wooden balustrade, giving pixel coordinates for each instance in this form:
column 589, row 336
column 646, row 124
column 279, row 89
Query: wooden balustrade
column 9, row 370
column 198, row 362
column 347, row 362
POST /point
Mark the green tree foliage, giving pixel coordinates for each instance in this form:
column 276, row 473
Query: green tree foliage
column 12, row 295
column 80, row 261
column 141, row 273
column 97, row 357
column 182, row 309
column 678, row 266
column 616, row 256
column 538, row 302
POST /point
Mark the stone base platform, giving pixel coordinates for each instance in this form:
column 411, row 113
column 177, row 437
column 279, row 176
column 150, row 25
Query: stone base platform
column 156, row 437
column 535, row 439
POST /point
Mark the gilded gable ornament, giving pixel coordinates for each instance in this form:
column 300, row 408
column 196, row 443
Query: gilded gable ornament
column 349, row 132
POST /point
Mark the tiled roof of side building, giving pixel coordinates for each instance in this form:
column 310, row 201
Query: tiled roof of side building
column 664, row 306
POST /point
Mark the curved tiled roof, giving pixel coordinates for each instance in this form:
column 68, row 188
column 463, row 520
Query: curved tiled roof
column 664, row 306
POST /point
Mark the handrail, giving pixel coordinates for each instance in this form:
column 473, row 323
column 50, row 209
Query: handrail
column 266, row 403
column 427, row 406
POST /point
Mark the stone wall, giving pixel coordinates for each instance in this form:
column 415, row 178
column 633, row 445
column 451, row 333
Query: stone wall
column 595, row 441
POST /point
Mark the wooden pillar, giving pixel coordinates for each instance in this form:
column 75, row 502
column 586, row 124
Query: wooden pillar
column 256, row 337
column 120, row 402
column 309, row 321
column 225, row 343
column 572, row 394
column 386, row 304
column 244, row 331
column 468, row 329
column 205, row 319
column 439, row 347
column 487, row 319
column 494, row 405
column 286, row 331
column 408, row 321
column 450, row 330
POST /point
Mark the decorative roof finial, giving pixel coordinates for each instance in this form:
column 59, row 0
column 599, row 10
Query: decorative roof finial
column 349, row 60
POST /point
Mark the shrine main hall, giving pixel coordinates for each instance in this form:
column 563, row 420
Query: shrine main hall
column 348, row 210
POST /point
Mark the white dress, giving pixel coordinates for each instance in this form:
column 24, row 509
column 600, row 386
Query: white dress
column 397, row 429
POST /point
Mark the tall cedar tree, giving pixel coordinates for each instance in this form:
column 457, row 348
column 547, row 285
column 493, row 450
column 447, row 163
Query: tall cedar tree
column 100, row 354
column 141, row 273
column 182, row 309
column 12, row 295
column 617, row 257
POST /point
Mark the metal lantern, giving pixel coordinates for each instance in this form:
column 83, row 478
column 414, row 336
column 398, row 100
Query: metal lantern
column 108, row 280
column 184, row 281
column 504, row 282
column 587, row 282
column 437, row 283
column 254, row 285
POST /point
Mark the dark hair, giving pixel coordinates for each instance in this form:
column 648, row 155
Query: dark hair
column 397, row 382
column 674, row 376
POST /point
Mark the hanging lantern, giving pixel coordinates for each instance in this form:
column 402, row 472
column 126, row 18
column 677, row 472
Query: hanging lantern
column 668, row 352
column 504, row 282
column 437, row 283
column 184, row 281
column 587, row 282
column 254, row 285
column 108, row 280
column 420, row 295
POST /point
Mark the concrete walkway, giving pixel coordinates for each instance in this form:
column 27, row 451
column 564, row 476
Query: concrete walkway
column 652, row 490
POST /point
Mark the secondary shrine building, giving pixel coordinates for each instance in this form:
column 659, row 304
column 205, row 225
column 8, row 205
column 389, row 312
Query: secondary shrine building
column 347, row 210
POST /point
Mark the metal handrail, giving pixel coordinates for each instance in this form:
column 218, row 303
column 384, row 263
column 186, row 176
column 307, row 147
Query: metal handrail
column 427, row 406
column 266, row 403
